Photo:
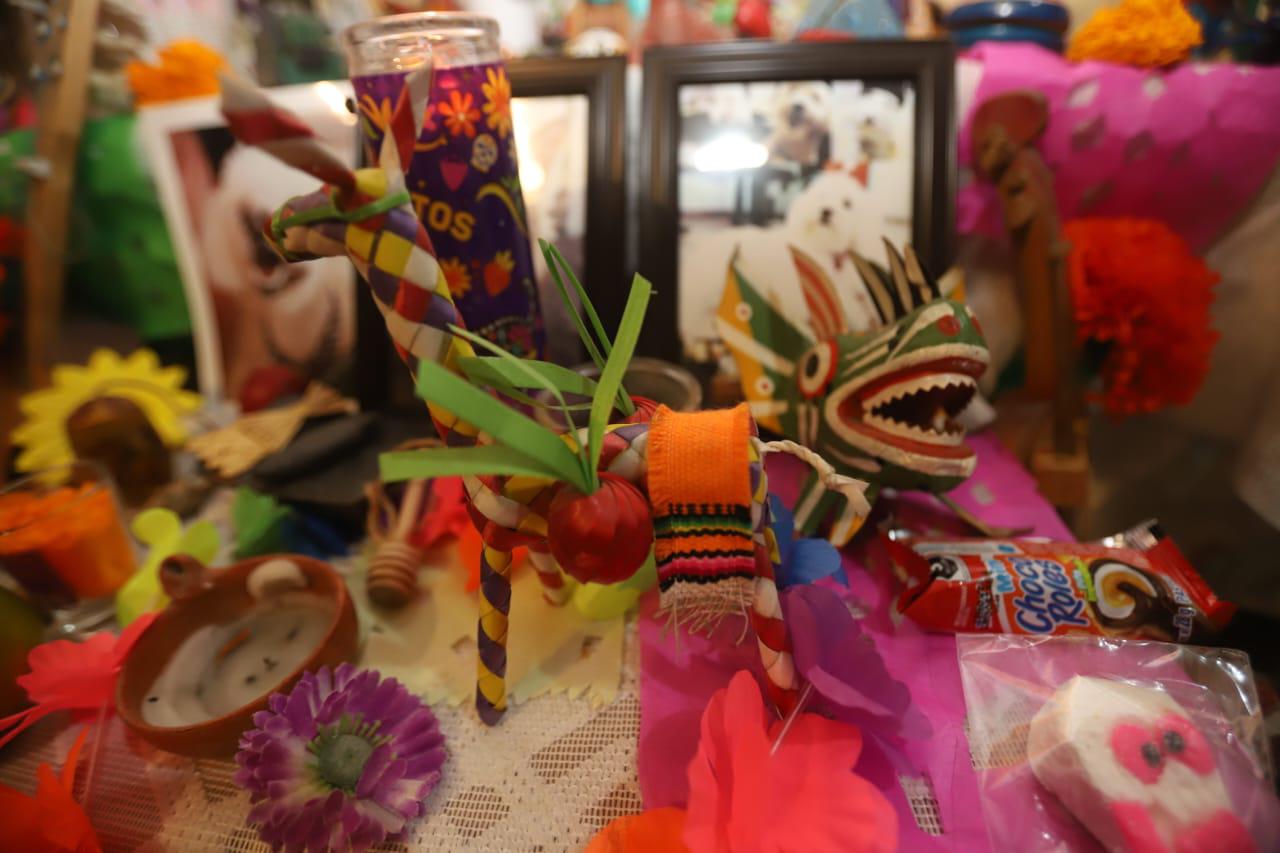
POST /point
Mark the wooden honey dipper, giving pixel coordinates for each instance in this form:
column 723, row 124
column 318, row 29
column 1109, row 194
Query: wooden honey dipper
column 393, row 572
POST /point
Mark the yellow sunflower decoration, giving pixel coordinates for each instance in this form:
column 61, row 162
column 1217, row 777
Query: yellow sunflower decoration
column 139, row 378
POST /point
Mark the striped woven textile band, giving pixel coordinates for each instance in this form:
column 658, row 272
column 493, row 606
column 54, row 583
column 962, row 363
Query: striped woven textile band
column 702, row 543
column 700, row 490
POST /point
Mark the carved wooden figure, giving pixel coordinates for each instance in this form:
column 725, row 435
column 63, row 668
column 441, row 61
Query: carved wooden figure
column 1004, row 135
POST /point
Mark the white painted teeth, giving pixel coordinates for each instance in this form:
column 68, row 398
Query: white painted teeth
column 923, row 383
column 937, row 428
column 904, row 430
column 940, row 420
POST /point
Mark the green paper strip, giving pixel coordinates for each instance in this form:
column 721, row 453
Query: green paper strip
column 616, row 367
column 587, row 305
column 497, row 371
column 507, row 426
column 518, row 396
column 482, row 460
column 624, row 399
column 520, row 367
column 554, row 261
column 587, row 340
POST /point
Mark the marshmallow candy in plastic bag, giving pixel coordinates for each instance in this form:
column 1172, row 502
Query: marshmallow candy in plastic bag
column 1088, row 743
column 1130, row 765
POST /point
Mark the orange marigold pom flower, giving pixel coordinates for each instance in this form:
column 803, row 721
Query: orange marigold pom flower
column 1146, row 33
column 1140, row 291
column 187, row 69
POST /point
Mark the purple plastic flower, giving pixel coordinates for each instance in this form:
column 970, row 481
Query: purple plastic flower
column 342, row 762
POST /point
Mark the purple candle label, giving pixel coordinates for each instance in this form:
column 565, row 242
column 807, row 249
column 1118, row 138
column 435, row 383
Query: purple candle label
column 466, row 190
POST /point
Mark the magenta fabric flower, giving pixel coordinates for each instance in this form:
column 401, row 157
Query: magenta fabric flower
column 342, row 762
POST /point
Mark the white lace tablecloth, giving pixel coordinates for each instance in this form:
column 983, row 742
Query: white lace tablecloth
column 547, row 778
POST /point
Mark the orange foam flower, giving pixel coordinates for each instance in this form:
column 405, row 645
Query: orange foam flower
column 187, row 69
column 67, row 676
column 51, row 821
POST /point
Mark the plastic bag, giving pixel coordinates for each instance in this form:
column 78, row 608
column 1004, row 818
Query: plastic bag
column 1087, row 743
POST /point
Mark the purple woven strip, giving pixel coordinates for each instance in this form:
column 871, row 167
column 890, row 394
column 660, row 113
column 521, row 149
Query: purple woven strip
column 494, row 655
column 630, row 432
column 489, row 715
column 402, row 222
column 440, row 313
column 384, row 284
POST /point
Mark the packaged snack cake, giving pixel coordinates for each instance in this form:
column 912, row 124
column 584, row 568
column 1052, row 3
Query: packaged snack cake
column 1133, row 768
column 1137, row 584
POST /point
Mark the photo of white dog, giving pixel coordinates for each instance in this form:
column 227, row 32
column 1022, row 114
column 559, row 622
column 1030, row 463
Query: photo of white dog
column 825, row 167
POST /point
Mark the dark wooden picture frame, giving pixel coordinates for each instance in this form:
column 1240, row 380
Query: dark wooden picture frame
column 927, row 65
column 383, row 383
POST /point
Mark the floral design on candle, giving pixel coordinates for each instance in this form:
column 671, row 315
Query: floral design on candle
column 459, row 114
column 465, row 186
column 455, row 273
column 341, row 762
column 497, row 105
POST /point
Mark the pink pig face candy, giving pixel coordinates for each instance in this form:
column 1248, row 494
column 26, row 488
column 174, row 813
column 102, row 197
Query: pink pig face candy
column 1130, row 765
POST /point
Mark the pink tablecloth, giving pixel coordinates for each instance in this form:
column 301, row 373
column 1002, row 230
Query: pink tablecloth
column 678, row 674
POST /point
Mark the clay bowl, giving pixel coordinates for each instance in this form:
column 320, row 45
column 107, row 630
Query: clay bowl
column 201, row 597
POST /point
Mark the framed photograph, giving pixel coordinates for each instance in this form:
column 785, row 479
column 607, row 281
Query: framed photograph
column 250, row 310
column 751, row 148
column 570, row 127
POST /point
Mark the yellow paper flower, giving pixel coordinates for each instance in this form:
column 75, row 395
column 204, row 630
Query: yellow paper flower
column 1145, row 33
column 139, row 378
column 456, row 276
column 497, row 106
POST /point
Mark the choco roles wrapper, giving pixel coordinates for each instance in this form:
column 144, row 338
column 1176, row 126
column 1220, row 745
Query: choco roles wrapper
column 1136, row 585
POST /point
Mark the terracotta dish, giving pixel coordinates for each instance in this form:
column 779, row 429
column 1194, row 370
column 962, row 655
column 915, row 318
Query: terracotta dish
column 212, row 656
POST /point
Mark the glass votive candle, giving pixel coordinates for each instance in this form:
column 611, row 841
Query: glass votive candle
column 464, row 179
column 62, row 537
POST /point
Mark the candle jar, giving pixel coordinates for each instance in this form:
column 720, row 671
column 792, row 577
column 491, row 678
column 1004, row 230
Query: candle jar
column 463, row 177
column 62, row 537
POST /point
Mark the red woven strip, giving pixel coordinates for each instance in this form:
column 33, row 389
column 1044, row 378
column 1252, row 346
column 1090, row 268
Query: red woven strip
column 259, row 126
column 772, row 632
column 411, row 301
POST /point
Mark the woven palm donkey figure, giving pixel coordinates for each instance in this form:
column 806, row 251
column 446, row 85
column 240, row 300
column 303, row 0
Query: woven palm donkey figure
column 689, row 487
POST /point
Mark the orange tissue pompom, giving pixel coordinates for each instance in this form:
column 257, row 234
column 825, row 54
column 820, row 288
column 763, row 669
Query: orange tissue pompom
column 1138, row 289
column 187, row 69
column 1145, row 33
